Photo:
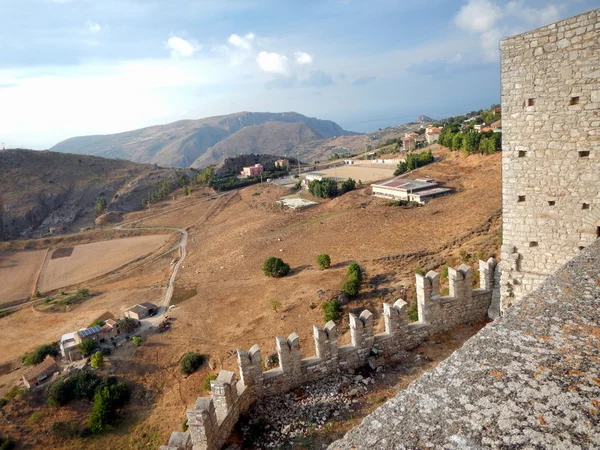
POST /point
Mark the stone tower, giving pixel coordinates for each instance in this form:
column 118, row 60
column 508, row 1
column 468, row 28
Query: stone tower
column 551, row 150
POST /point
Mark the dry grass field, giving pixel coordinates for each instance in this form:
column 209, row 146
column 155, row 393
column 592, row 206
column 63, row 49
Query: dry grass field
column 229, row 238
column 18, row 272
column 89, row 261
column 367, row 173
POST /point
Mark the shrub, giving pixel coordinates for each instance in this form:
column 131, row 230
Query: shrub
column 351, row 287
column 35, row 418
column 38, row 294
column 275, row 305
column 413, row 313
column 271, row 361
column 100, row 204
column 64, row 429
column 420, row 271
column 136, row 340
column 3, row 402
column 207, row 381
column 98, row 322
column 354, row 270
column 324, row 261
column 275, row 267
column 87, row 346
column 39, row 354
column 6, row 443
column 48, row 300
column 97, row 360
column 191, row 362
column 15, row 392
column 444, row 271
column 331, row 310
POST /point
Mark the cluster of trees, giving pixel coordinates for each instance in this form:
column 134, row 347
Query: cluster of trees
column 191, row 362
column 275, row 267
column 106, row 393
column 328, row 188
column 208, row 177
column 323, row 188
column 471, row 141
column 414, row 160
column 332, row 310
column 482, row 116
column 39, row 354
column 163, row 190
column 351, row 286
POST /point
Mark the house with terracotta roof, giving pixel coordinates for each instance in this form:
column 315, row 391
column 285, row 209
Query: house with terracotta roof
column 252, row 171
column 409, row 141
column 35, row 375
column 432, row 134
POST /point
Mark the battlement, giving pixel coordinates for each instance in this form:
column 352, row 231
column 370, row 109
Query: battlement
column 212, row 419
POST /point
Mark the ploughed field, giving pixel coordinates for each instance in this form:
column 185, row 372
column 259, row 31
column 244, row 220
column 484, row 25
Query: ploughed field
column 18, row 274
column 71, row 265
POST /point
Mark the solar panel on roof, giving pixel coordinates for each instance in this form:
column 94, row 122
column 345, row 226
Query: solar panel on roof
column 90, row 331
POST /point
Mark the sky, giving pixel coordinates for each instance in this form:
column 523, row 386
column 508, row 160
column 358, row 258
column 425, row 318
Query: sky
column 79, row 67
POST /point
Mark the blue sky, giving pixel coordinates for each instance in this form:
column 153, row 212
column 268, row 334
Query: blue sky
column 76, row 67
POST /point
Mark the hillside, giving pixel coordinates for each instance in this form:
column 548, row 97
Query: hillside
column 181, row 143
column 273, row 138
column 39, row 190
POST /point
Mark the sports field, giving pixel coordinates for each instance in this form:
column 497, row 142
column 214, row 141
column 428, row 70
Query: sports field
column 367, row 173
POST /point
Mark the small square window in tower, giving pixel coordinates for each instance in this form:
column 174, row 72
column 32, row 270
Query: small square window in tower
column 522, row 153
column 521, row 199
column 531, row 102
column 585, row 206
column 584, row 154
column 574, row 101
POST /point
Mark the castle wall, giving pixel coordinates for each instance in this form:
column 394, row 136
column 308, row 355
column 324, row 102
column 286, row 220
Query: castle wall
column 551, row 150
column 212, row 419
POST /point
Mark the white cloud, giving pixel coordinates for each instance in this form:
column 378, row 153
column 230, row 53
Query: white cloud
column 274, row 63
column 491, row 20
column 478, row 16
column 92, row 27
column 303, row 58
column 181, row 47
column 242, row 42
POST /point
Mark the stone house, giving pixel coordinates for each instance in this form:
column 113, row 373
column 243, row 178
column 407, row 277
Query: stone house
column 35, row 375
column 141, row 311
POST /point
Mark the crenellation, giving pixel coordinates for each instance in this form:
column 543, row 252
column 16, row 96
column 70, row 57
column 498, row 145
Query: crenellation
column 212, row 419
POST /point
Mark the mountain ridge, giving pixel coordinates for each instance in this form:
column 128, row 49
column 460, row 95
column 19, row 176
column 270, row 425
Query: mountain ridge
column 181, row 143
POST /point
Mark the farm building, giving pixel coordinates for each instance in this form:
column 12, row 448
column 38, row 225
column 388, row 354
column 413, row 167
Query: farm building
column 419, row 190
column 68, row 347
column 110, row 329
column 141, row 311
column 35, row 375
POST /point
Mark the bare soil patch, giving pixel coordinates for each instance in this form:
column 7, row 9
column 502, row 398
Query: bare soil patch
column 18, row 272
column 63, row 252
column 88, row 261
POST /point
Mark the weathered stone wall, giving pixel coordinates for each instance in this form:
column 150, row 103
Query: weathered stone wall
column 551, row 150
column 212, row 420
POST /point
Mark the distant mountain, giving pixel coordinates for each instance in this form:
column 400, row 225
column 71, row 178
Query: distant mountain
column 39, row 190
column 424, row 119
column 182, row 143
column 271, row 138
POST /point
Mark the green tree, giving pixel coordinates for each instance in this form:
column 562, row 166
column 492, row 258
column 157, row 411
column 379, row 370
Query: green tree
column 206, row 176
column 323, row 188
column 87, row 346
column 401, row 168
column 183, row 180
column 351, row 287
column 102, row 409
column 191, row 362
column 348, row 185
column 275, row 267
column 471, row 142
column 331, row 310
column 136, row 340
column 457, row 141
column 355, row 271
column 127, row 324
column 97, row 360
column 323, row 261
column 100, row 204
